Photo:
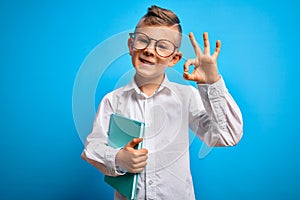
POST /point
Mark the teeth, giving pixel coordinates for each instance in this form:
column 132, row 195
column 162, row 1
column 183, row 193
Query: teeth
column 145, row 61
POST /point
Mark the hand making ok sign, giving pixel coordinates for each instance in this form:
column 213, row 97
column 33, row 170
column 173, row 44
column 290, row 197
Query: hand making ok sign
column 205, row 65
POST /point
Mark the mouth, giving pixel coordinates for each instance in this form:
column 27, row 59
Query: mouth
column 144, row 61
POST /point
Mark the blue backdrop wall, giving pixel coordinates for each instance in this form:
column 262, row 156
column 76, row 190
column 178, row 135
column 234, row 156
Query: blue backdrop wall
column 44, row 46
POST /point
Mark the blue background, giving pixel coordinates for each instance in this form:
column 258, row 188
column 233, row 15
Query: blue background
column 43, row 44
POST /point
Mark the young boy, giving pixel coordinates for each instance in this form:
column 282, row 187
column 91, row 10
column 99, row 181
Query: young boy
column 168, row 110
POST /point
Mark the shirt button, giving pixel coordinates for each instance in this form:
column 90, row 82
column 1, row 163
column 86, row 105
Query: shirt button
column 213, row 92
column 150, row 182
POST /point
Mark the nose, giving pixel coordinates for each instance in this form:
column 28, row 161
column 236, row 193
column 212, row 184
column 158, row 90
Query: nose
column 150, row 49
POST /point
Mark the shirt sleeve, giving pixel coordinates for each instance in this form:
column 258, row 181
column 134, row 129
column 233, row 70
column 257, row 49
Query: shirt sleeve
column 214, row 115
column 96, row 150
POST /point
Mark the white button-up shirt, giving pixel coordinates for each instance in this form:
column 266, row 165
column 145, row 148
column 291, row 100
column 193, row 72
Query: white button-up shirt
column 168, row 114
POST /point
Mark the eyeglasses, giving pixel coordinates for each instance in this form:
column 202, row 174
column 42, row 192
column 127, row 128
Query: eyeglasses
column 163, row 47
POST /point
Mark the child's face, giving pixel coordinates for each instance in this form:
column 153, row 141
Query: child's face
column 151, row 62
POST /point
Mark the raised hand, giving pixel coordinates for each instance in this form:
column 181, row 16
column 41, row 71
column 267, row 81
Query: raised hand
column 205, row 65
column 131, row 159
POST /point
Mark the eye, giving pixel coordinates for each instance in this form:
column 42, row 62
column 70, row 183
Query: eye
column 142, row 39
column 164, row 45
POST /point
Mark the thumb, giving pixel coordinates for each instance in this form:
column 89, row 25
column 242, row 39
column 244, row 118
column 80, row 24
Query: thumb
column 188, row 76
column 133, row 143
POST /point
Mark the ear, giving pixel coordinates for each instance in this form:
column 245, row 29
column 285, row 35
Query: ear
column 130, row 45
column 175, row 59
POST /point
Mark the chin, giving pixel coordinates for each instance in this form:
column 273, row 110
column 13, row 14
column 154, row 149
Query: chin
column 145, row 74
column 149, row 75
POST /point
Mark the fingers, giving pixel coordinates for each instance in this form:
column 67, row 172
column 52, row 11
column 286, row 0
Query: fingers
column 218, row 49
column 188, row 76
column 142, row 151
column 186, row 67
column 130, row 147
column 132, row 161
column 137, row 167
column 138, row 161
column 188, row 63
column 206, row 43
column 195, row 44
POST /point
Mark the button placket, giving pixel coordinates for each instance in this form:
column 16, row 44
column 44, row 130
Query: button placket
column 150, row 168
column 148, row 117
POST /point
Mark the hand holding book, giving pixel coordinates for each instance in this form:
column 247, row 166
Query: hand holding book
column 127, row 134
column 133, row 160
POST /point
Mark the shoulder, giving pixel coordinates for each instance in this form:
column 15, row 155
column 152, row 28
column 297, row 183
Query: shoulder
column 113, row 94
column 186, row 93
column 110, row 100
column 183, row 89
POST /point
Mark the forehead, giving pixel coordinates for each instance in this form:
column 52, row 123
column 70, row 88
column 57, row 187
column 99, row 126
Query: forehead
column 160, row 32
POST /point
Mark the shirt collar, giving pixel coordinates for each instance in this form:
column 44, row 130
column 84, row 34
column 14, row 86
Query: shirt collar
column 165, row 84
column 133, row 86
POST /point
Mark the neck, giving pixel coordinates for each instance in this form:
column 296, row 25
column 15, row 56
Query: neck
column 149, row 85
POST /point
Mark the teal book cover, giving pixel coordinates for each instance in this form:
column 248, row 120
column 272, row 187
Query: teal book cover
column 121, row 131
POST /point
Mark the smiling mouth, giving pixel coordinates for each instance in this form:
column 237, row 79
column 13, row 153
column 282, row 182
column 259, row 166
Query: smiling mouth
column 146, row 61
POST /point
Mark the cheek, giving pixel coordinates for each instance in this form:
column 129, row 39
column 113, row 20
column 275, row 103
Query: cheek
column 164, row 61
column 136, row 55
column 134, row 58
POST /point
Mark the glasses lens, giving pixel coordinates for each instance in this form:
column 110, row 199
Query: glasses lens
column 141, row 41
column 165, row 48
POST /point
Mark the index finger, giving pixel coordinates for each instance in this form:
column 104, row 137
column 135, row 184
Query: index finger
column 142, row 151
column 195, row 44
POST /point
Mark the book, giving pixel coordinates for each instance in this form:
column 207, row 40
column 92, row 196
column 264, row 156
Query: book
column 121, row 131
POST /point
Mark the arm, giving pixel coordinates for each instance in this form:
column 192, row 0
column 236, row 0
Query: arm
column 96, row 150
column 220, row 123
column 110, row 161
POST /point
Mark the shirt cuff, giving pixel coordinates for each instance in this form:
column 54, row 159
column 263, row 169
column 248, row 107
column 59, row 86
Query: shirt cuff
column 213, row 98
column 214, row 90
column 120, row 170
column 111, row 162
